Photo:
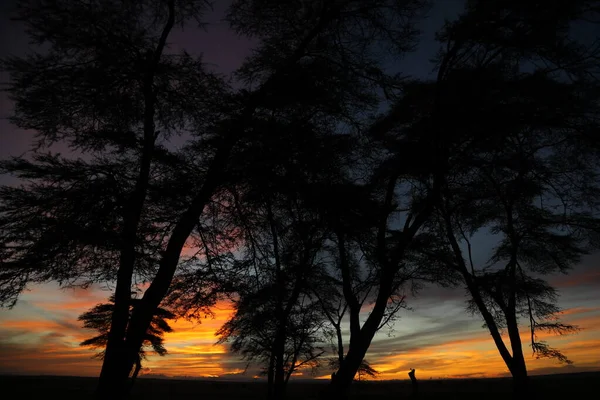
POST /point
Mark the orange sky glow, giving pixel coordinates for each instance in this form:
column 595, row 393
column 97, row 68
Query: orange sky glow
column 41, row 336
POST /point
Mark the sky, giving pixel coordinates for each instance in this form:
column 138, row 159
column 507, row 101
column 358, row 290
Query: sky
column 41, row 334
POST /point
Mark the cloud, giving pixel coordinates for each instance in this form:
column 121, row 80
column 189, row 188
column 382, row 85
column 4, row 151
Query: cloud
column 52, row 353
column 478, row 356
column 434, row 335
column 579, row 310
column 578, row 280
column 437, row 337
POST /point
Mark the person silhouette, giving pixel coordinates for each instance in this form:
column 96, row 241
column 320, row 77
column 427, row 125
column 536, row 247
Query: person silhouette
column 413, row 380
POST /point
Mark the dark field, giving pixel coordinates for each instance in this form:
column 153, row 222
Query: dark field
column 569, row 386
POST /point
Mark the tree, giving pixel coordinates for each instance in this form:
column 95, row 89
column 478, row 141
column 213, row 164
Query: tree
column 387, row 251
column 108, row 89
column 531, row 179
column 392, row 23
column 255, row 334
column 338, row 80
column 275, row 321
column 366, row 370
column 328, row 291
column 99, row 318
column 433, row 127
column 534, row 238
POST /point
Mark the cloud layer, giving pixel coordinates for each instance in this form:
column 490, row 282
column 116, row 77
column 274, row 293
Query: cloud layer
column 41, row 335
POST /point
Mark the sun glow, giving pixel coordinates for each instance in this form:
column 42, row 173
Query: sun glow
column 41, row 335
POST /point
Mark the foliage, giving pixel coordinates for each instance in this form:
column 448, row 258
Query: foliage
column 65, row 221
column 319, row 183
column 365, row 368
column 512, row 171
column 99, row 317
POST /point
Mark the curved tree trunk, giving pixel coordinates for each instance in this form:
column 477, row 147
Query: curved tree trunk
column 515, row 362
column 518, row 367
column 361, row 340
column 117, row 361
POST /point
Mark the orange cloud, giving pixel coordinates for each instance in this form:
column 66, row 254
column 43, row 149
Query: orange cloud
column 591, row 277
column 41, row 336
column 478, row 357
column 579, row 310
column 193, row 350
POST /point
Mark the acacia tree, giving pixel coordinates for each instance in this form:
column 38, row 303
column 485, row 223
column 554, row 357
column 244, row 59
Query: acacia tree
column 392, row 265
column 531, row 179
column 252, row 331
column 392, row 23
column 108, row 90
column 328, row 290
column 99, row 318
column 339, row 68
column 435, row 124
column 513, row 192
column 334, row 307
column 276, row 322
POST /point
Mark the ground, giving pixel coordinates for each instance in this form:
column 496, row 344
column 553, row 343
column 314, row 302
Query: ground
column 581, row 385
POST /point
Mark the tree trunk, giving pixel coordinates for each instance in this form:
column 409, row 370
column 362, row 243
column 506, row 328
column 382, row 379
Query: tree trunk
column 359, row 344
column 279, row 384
column 340, row 343
column 280, row 378
column 520, row 379
column 518, row 369
column 280, row 317
column 338, row 387
column 117, row 361
column 113, row 376
column 117, row 369
column 114, row 373
column 515, row 362
column 489, row 321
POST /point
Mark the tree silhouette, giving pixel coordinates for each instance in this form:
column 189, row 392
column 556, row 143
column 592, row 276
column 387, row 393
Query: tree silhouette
column 318, row 150
column 106, row 89
column 334, row 307
column 99, row 318
column 483, row 91
column 109, row 90
column 335, row 86
column 517, row 181
column 276, row 322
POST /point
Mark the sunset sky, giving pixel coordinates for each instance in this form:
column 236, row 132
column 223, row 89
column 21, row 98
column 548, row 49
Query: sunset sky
column 41, row 335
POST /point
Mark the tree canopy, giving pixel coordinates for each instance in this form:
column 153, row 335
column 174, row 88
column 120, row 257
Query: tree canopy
column 312, row 186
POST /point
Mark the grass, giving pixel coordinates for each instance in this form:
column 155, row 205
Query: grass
column 580, row 385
